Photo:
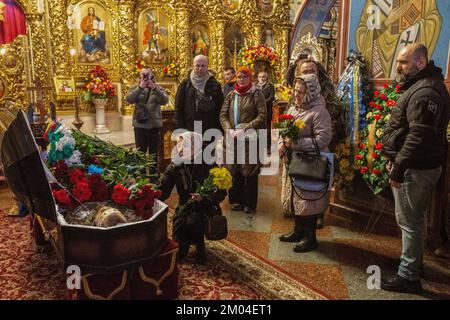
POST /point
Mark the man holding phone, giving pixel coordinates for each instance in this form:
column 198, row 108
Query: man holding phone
column 148, row 98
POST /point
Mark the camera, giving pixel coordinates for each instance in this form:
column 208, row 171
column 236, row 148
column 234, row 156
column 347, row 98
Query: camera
column 145, row 77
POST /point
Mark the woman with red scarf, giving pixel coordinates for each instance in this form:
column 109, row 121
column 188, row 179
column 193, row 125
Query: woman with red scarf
column 243, row 110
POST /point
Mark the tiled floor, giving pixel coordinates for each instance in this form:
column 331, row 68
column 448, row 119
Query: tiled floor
column 339, row 266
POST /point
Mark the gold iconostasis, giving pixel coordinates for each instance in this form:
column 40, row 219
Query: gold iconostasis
column 65, row 39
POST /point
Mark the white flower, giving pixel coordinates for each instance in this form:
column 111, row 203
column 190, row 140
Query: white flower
column 74, row 159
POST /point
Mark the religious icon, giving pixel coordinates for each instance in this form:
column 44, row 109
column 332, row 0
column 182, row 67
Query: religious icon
column 154, row 36
column 64, row 86
column 200, row 40
column 265, row 6
column 382, row 35
column 268, row 38
column 231, row 4
column 92, row 23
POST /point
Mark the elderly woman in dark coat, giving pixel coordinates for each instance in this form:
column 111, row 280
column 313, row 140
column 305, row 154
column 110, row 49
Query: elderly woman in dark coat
column 188, row 228
column 309, row 105
column 243, row 109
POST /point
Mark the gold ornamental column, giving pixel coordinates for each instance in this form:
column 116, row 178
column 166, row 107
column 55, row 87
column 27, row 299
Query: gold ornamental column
column 39, row 53
column 127, row 50
column 183, row 37
column 219, row 50
column 282, row 46
column 58, row 33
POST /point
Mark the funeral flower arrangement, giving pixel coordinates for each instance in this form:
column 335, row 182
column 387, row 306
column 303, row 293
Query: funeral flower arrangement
column 370, row 160
column 289, row 127
column 88, row 170
column 218, row 179
column 172, row 69
column 250, row 55
column 98, row 85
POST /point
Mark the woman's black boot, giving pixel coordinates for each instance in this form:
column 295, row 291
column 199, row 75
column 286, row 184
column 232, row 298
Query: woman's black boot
column 309, row 241
column 296, row 234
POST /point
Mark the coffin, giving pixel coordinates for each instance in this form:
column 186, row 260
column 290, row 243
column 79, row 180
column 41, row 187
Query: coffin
column 93, row 249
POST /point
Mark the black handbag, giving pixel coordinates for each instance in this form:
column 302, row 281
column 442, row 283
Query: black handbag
column 203, row 102
column 216, row 227
column 309, row 166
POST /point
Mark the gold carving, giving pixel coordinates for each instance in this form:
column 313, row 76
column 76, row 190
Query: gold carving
column 12, row 71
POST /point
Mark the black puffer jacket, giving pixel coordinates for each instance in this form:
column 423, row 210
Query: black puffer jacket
column 187, row 112
column 415, row 137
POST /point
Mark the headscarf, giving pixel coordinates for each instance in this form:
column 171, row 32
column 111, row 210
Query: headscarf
column 313, row 88
column 244, row 90
column 189, row 147
column 198, row 82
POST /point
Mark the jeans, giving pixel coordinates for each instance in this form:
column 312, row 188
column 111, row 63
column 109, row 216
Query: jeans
column 412, row 200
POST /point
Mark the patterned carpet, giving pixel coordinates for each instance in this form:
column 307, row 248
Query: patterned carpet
column 230, row 274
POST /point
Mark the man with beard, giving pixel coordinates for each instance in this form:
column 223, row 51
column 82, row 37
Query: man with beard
column 415, row 142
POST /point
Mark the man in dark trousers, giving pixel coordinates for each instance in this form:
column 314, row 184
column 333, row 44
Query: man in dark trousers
column 199, row 98
column 415, row 142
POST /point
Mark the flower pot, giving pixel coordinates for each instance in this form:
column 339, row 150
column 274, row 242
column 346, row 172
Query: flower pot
column 100, row 126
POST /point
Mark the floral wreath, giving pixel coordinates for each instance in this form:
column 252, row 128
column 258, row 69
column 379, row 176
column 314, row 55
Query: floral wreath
column 370, row 160
column 172, row 69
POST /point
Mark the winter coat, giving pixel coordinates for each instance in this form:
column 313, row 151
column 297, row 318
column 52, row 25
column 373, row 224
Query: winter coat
column 251, row 115
column 186, row 108
column 415, row 137
column 151, row 100
column 317, row 124
column 184, row 177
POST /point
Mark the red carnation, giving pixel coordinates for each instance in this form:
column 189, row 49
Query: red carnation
column 76, row 175
column 376, row 172
column 62, row 197
column 376, row 93
column 379, row 146
column 384, row 97
column 120, row 194
column 375, row 156
column 377, row 117
column 379, row 107
column 61, row 169
column 391, row 103
column 364, row 170
column 385, row 86
column 373, row 104
column 359, row 157
column 81, row 191
column 362, row 146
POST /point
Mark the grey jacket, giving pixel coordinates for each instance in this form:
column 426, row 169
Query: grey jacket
column 152, row 100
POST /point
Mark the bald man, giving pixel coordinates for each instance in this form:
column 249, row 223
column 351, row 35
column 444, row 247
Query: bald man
column 415, row 143
column 199, row 98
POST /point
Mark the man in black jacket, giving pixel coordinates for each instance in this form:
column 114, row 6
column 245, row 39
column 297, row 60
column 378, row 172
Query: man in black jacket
column 415, row 142
column 199, row 98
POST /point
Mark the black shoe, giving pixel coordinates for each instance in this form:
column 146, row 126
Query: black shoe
column 237, row 207
column 309, row 241
column 182, row 253
column 399, row 284
column 249, row 210
column 296, row 234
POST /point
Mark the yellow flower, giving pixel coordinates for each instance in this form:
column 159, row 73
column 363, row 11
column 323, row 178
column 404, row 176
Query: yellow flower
column 300, row 124
column 387, row 118
column 379, row 133
column 221, row 178
column 369, row 115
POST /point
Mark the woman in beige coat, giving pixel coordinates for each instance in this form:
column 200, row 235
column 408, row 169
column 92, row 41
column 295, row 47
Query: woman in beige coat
column 309, row 105
column 243, row 109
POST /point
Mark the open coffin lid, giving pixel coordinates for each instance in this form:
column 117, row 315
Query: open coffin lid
column 94, row 249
